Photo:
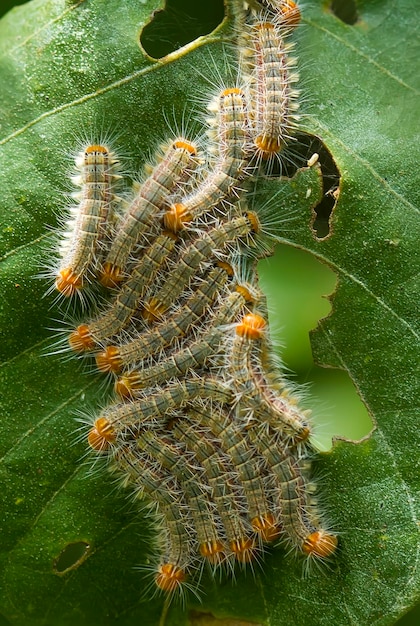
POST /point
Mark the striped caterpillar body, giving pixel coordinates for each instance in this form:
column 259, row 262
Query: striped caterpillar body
column 244, row 363
column 272, row 93
column 126, row 419
column 179, row 543
column 81, row 247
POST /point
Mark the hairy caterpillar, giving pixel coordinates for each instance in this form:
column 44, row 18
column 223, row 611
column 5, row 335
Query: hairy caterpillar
column 256, row 394
column 270, row 74
column 89, row 226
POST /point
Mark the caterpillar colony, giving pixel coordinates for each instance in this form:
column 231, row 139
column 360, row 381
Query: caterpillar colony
column 205, row 425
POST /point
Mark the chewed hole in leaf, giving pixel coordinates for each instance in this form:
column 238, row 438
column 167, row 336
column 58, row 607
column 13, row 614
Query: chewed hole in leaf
column 300, row 152
column 410, row 619
column 345, row 10
column 296, row 285
column 180, row 22
column 71, row 557
column 5, row 6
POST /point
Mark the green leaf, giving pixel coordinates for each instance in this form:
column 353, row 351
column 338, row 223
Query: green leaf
column 71, row 68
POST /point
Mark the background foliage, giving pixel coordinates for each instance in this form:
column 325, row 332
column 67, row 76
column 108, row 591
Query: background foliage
column 68, row 68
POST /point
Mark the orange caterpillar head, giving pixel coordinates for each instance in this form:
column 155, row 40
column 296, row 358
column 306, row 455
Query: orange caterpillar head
column 152, row 311
column 266, row 527
column 236, row 91
column 268, row 146
column 289, row 13
column 227, row 267
column 247, row 292
column 80, row 340
column 127, row 385
column 213, row 551
column 254, row 221
column 252, row 327
column 109, row 360
column 111, row 276
column 170, row 577
column 101, row 436
column 183, row 144
column 68, row 283
column 95, row 148
column 320, row 544
column 176, row 217
column 243, row 549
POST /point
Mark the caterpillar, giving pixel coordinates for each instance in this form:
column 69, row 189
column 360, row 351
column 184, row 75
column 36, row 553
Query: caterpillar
column 266, row 61
column 89, row 226
column 179, row 539
column 174, row 457
column 254, row 390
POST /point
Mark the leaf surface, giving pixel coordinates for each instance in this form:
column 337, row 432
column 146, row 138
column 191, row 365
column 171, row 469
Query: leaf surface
column 70, row 69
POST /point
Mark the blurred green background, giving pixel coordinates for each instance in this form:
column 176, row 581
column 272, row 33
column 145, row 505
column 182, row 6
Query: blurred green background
column 296, row 284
